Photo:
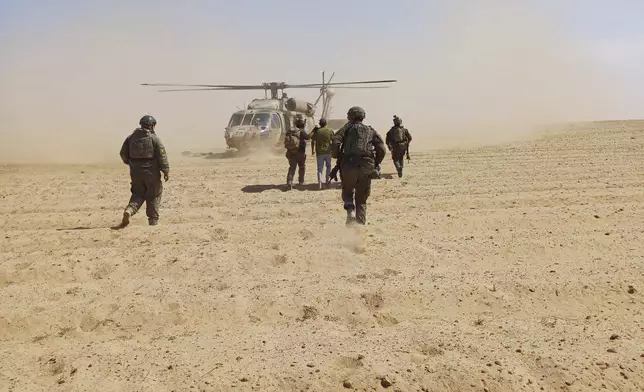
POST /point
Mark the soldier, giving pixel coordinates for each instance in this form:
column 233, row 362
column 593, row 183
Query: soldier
column 295, row 144
column 355, row 145
column 144, row 152
column 321, row 148
column 398, row 139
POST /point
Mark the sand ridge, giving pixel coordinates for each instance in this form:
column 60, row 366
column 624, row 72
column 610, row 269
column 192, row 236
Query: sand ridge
column 504, row 268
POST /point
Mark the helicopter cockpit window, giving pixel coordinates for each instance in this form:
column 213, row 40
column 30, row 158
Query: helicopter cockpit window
column 275, row 122
column 247, row 119
column 261, row 119
column 236, row 120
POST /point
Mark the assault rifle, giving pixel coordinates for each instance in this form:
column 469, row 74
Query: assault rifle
column 334, row 172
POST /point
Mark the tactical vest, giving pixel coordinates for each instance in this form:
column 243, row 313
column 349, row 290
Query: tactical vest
column 292, row 139
column 357, row 139
column 141, row 145
column 399, row 135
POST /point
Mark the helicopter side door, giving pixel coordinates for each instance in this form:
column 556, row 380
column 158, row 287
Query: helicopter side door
column 276, row 124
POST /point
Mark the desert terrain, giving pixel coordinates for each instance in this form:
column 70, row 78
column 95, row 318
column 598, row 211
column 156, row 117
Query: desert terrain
column 512, row 267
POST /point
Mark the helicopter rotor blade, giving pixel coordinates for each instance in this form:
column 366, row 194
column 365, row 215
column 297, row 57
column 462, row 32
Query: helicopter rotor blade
column 207, row 89
column 314, row 85
column 327, row 99
column 240, row 86
column 321, row 92
column 362, row 87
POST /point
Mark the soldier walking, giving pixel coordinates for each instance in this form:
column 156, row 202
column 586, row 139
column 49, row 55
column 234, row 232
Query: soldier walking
column 398, row 139
column 354, row 146
column 295, row 144
column 321, row 138
column 144, row 152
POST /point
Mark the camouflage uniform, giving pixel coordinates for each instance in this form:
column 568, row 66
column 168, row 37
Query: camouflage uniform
column 144, row 152
column 297, row 156
column 361, row 150
column 398, row 147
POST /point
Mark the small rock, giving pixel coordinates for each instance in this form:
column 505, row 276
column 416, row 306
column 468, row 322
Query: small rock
column 347, row 385
column 497, row 363
column 611, row 350
column 310, row 365
column 385, row 383
column 243, row 379
column 631, row 290
column 596, row 216
column 614, row 336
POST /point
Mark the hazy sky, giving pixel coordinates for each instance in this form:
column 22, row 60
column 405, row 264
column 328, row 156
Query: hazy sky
column 70, row 70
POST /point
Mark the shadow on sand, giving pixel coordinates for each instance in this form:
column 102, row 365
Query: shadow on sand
column 284, row 188
column 116, row 227
column 232, row 153
column 223, row 155
column 306, row 187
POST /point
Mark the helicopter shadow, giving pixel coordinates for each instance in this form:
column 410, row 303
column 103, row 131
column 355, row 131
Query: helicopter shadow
column 222, row 155
column 284, row 188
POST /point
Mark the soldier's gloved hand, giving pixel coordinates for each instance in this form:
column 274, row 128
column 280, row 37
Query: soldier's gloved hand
column 166, row 176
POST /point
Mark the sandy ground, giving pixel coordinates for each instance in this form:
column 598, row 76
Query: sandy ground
column 510, row 268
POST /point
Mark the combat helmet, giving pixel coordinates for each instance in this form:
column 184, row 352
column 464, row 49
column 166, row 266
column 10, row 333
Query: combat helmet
column 147, row 121
column 356, row 113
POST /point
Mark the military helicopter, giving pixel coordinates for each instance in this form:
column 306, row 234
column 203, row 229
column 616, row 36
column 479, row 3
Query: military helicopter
column 266, row 120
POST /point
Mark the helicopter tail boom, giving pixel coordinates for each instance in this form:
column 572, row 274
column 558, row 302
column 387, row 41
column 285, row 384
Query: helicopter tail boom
column 299, row 106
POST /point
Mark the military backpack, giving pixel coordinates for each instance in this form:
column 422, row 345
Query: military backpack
column 141, row 145
column 399, row 135
column 292, row 139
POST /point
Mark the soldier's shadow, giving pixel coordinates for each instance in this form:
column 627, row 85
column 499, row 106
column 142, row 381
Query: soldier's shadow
column 284, row 188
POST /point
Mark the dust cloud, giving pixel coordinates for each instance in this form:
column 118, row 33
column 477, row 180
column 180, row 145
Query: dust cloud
column 497, row 71
column 478, row 74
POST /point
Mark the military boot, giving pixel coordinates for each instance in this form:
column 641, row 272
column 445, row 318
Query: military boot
column 399, row 169
column 153, row 222
column 126, row 218
column 361, row 214
column 351, row 217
